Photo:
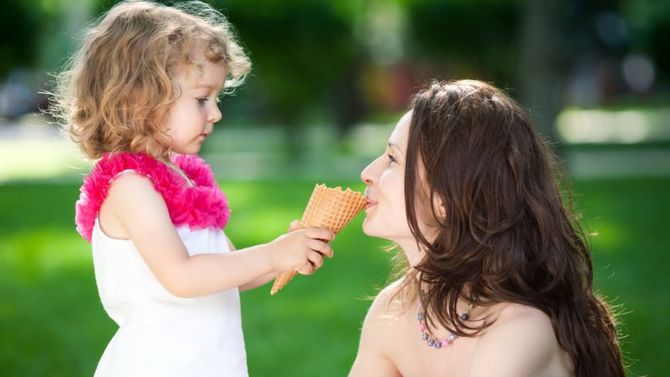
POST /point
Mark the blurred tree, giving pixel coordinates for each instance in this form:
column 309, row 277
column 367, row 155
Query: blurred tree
column 20, row 23
column 515, row 44
column 27, row 29
column 304, row 52
column 542, row 64
column 650, row 24
column 300, row 49
column 466, row 38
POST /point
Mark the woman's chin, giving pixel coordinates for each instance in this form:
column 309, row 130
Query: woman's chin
column 371, row 231
column 368, row 229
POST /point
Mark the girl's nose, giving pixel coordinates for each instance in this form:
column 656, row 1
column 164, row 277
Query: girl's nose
column 215, row 115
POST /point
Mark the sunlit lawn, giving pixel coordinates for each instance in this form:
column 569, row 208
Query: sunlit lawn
column 52, row 324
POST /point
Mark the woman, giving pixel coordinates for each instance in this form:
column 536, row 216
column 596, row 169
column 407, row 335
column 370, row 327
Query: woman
column 499, row 278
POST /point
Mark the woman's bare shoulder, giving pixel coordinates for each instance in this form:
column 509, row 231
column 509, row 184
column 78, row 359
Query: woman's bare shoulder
column 511, row 314
column 521, row 324
column 520, row 342
column 379, row 330
column 387, row 302
column 384, row 313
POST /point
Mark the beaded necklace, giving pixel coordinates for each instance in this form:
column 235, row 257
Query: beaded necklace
column 428, row 337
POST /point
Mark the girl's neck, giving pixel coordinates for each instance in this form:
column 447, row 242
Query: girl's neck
column 172, row 166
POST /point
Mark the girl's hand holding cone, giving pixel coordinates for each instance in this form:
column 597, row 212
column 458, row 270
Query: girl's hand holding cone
column 328, row 208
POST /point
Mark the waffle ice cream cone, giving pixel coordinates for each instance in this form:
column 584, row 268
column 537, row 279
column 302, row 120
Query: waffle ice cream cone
column 328, row 208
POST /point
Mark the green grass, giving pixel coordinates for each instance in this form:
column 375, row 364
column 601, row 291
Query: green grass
column 52, row 323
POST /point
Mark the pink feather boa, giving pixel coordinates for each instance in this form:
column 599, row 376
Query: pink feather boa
column 199, row 207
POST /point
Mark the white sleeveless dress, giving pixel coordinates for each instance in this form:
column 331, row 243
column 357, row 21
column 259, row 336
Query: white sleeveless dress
column 161, row 335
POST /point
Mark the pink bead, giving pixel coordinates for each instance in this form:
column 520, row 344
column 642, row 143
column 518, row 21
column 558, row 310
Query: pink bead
column 422, row 327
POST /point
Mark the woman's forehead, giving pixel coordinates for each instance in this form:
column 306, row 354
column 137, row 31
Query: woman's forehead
column 401, row 131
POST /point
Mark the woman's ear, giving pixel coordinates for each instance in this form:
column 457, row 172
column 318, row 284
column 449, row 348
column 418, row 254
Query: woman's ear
column 439, row 209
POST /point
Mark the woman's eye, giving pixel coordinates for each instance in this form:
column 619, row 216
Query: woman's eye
column 391, row 158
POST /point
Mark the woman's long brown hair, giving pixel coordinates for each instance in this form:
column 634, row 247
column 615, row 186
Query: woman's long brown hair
column 505, row 234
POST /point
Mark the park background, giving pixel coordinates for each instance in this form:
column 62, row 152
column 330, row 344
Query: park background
column 329, row 80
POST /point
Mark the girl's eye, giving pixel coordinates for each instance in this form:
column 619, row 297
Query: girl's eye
column 202, row 100
column 391, row 158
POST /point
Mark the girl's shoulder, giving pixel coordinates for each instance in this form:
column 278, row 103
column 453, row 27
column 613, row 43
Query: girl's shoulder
column 196, row 169
column 201, row 206
column 111, row 165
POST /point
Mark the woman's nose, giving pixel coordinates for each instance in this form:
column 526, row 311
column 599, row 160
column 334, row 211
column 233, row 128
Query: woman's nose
column 367, row 175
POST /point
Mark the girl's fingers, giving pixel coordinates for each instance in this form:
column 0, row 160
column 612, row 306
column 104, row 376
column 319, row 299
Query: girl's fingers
column 306, row 269
column 321, row 247
column 294, row 225
column 320, row 234
column 315, row 259
column 314, row 262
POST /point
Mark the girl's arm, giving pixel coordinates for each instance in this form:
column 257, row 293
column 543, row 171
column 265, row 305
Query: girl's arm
column 306, row 269
column 144, row 215
column 256, row 282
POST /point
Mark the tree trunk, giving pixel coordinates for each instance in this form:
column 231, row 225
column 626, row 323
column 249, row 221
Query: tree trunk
column 541, row 68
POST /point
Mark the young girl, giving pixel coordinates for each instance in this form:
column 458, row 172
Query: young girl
column 499, row 277
column 141, row 96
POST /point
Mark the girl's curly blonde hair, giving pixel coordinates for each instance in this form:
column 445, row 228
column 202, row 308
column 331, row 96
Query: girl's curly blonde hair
column 118, row 87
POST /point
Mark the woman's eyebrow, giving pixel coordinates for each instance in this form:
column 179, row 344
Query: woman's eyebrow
column 395, row 147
